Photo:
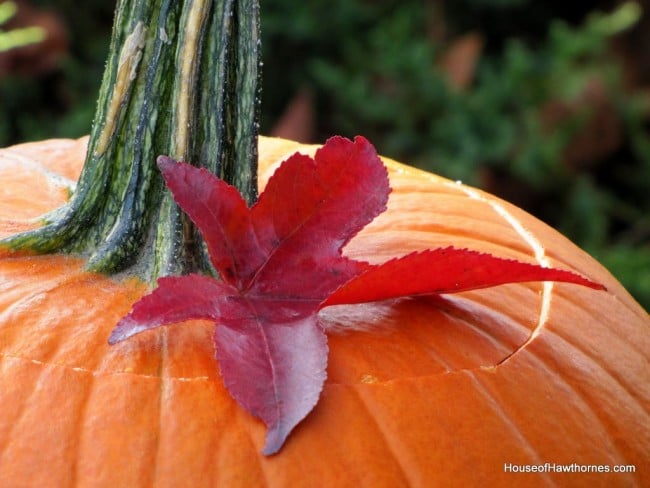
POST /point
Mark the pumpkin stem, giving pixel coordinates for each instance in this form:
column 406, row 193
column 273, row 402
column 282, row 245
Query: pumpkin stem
column 182, row 79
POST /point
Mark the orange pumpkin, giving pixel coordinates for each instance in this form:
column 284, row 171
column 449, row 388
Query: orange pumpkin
column 456, row 390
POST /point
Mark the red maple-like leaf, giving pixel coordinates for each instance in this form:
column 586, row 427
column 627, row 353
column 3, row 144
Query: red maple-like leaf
column 281, row 261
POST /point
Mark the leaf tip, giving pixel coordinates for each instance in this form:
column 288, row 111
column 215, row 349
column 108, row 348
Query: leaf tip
column 595, row 285
column 124, row 329
column 117, row 335
column 165, row 162
column 275, row 440
column 277, row 435
column 362, row 141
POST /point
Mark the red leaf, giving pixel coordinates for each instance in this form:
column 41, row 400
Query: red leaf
column 176, row 299
column 310, row 209
column 443, row 270
column 219, row 210
column 280, row 262
column 283, row 374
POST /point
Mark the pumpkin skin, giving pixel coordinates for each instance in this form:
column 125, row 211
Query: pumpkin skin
column 440, row 391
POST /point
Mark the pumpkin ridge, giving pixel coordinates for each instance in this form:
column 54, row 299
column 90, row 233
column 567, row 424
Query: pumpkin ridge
column 344, row 460
column 49, row 351
column 599, row 364
column 38, row 384
column 163, row 390
column 154, row 472
column 130, row 402
column 43, row 286
column 390, row 445
column 32, row 293
column 586, row 401
column 52, row 177
column 513, row 426
column 589, row 402
column 240, row 414
column 61, row 156
column 633, row 310
column 80, row 415
column 56, row 345
column 619, row 334
column 15, row 421
column 489, row 401
column 566, row 339
column 498, row 408
column 582, row 390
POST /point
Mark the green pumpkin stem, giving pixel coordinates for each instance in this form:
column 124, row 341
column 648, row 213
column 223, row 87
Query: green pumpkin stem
column 182, row 79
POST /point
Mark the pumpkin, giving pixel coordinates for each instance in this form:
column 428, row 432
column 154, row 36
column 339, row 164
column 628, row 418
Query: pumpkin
column 447, row 390
column 456, row 390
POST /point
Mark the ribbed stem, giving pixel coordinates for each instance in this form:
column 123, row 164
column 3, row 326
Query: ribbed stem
column 182, row 79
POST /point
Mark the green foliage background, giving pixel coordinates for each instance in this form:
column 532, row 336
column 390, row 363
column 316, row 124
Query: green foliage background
column 372, row 67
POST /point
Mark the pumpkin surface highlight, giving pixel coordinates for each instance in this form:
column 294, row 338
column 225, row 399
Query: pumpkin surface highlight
column 420, row 392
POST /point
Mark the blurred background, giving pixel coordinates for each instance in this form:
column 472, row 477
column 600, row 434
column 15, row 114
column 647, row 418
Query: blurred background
column 544, row 103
